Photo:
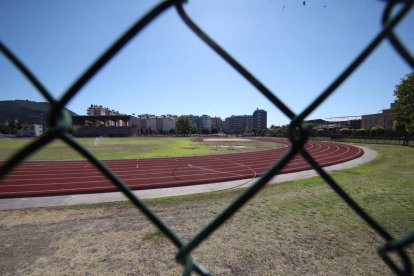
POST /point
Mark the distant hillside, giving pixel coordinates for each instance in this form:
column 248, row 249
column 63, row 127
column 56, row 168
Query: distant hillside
column 25, row 111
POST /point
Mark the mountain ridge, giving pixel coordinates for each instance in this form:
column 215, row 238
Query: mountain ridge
column 26, row 111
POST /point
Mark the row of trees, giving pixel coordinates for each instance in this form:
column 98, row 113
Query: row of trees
column 374, row 131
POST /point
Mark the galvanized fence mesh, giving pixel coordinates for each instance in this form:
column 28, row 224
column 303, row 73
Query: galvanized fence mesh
column 60, row 122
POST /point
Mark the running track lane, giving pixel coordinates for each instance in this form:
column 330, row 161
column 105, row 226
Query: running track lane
column 43, row 178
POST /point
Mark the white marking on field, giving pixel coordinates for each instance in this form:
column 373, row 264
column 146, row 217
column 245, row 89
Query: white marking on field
column 227, row 140
column 236, row 147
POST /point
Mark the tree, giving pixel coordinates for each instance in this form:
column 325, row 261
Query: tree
column 276, row 131
column 205, row 131
column 183, row 125
column 280, row 131
column 403, row 109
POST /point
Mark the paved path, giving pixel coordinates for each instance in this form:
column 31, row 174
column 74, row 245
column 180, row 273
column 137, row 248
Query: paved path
column 49, row 201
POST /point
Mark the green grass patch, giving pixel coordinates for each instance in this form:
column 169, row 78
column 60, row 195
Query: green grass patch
column 134, row 147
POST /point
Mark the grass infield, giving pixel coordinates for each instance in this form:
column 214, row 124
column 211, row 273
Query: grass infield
column 117, row 148
column 295, row 228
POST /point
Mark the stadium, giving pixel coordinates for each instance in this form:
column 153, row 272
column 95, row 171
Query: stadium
column 86, row 206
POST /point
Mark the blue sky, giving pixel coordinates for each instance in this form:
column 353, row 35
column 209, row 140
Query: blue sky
column 295, row 49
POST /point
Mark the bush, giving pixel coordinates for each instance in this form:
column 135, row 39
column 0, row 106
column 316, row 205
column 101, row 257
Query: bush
column 377, row 131
column 345, row 131
column 361, row 132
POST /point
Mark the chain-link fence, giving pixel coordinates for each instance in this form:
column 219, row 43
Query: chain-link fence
column 60, row 122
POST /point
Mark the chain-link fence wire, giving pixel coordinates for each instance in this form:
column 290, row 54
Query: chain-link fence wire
column 60, row 122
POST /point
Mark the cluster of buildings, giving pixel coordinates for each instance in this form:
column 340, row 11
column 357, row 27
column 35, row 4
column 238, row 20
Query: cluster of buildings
column 105, row 121
column 99, row 116
column 152, row 123
column 206, row 123
column 382, row 119
column 256, row 121
column 30, row 130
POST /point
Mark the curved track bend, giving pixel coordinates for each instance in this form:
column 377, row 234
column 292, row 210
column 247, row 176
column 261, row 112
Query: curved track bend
column 41, row 178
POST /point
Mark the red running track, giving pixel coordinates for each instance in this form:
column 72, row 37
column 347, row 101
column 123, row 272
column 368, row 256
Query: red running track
column 42, row 178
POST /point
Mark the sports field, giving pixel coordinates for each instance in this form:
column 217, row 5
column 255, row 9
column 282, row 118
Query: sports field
column 120, row 148
column 296, row 228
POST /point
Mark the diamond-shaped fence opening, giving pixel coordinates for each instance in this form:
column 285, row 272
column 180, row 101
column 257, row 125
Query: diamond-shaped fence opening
column 59, row 122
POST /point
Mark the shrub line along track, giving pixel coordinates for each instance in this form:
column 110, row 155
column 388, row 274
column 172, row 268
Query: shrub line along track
column 45, row 178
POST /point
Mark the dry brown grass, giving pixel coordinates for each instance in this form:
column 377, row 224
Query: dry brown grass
column 116, row 240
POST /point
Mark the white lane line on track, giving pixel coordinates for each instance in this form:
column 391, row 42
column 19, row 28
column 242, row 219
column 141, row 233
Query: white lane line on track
column 41, row 165
column 224, row 165
column 63, row 168
column 263, row 160
column 201, row 180
column 241, row 184
column 216, row 171
column 87, row 165
column 239, row 164
column 125, row 180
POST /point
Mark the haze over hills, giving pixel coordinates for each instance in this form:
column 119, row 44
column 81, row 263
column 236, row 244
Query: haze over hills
column 25, row 111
